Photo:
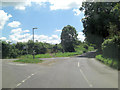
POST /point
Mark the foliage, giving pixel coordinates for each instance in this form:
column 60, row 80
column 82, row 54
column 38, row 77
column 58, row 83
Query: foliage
column 5, row 49
column 98, row 15
column 102, row 28
column 108, row 61
column 55, row 48
column 111, row 47
column 29, row 60
column 84, row 48
column 68, row 38
column 67, row 54
column 13, row 50
column 47, row 55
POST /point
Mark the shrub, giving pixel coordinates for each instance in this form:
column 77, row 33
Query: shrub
column 86, row 46
column 111, row 47
column 108, row 61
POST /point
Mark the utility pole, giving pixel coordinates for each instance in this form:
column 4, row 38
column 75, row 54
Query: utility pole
column 33, row 43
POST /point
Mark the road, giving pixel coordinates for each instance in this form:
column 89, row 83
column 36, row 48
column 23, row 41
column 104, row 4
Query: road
column 62, row 72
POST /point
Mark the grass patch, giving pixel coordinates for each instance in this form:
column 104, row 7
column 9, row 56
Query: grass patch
column 47, row 55
column 108, row 61
column 29, row 60
column 67, row 54
column 36, row 56
column 79, row 50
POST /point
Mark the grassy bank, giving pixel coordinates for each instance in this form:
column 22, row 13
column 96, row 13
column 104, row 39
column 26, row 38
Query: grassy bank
column 108, row 61
column 50, row 55
column 66, row 54
column 47, row 55
column 29, row 60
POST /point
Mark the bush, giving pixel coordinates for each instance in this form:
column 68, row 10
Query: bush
column 111, row 47
column 108, row 61
column 14, row 53
column 86, row 46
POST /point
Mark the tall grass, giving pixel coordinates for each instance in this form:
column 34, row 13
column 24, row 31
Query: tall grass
column 108, row 61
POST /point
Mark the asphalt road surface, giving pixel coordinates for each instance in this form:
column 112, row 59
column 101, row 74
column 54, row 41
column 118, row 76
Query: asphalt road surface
column 64, row 72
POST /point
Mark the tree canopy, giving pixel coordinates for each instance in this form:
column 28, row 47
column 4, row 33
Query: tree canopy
column 68, row 38
column 98, row 16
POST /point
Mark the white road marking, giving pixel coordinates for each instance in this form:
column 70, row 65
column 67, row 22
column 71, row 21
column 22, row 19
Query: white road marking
column 23, row 80
column 18, row 84
column 32, row 74
column 90, row 85
column 29, row 77
column 78, row 64
column 26, row 79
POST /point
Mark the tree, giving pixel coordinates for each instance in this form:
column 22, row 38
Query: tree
column 14, row 52
column 68, row 38
column 30, row 46
column 5, row 49
column 114, row 25
column 96, row 21
column 55, row 48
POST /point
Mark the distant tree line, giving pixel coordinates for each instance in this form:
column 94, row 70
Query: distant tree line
column 13, row 50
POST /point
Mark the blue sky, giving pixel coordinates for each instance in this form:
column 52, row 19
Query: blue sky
column 17, row 20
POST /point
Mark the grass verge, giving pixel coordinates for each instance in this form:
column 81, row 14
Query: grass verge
column 66, row 54
column 108, row 61
column 29, row 60
column 47, row 55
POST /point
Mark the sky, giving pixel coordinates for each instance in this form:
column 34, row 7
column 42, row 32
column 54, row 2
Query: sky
column 50, row 16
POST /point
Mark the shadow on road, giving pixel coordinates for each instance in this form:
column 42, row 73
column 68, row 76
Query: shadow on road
column 91, row 54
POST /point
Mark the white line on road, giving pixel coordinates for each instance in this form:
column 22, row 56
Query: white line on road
column 32, row 74
column 18, row 84
column 90, row 85
column 25, row 79
column 78, row 64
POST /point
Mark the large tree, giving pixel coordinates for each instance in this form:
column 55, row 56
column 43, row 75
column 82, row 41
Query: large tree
column 96, row 22
column 68, row 38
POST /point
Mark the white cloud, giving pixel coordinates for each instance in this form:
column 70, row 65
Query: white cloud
column 58, row 30
column 20, row 7
column 18, row 30
column 3, row 38
column 64, row 4
column 54, row 4
column 81, row 37
column 19, row 35
column 26, row 31
column 54, row 39
column 17, row 4
column 14, row 24
column 4, row 17
column 77, row 12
